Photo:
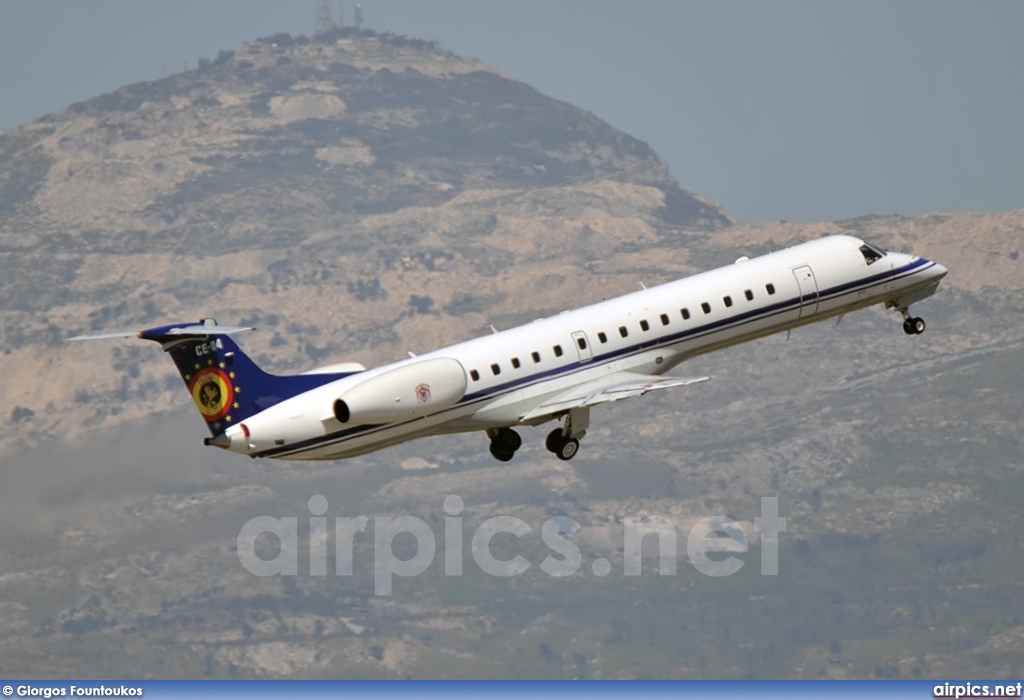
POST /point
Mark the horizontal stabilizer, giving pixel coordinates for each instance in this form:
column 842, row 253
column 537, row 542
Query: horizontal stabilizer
column 621, row 385
column 213, row 329
column 206, row 327
column 104, row 336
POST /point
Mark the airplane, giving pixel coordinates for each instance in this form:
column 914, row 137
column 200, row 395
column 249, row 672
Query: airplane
column 554, row 368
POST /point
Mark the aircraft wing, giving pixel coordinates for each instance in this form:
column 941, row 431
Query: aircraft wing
column 620, row 385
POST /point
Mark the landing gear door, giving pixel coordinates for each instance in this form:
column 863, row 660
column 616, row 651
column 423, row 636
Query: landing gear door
column 579, row 339
column 808, row 290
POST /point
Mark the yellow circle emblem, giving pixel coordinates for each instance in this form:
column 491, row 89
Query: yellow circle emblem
column 212, row 391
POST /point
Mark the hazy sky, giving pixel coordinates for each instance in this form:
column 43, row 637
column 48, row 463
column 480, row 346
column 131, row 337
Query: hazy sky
column 803, row 111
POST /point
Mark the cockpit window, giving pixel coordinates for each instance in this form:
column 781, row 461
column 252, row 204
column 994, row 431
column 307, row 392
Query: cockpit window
column 871, row 253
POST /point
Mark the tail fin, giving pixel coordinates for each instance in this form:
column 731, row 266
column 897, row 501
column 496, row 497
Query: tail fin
column 226, row 386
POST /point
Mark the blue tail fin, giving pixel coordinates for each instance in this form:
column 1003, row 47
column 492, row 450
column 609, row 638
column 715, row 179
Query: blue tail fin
column 226, row 386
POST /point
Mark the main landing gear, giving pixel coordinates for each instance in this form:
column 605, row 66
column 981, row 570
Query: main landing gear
column 564, row 442
column 504, row 443
column 565, row 448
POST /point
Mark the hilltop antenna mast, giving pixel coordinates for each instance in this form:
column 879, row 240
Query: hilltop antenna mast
column 357, row 18
column 341, row 13
column 324, row 21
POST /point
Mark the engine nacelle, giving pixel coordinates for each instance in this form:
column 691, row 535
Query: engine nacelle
column 411, row 391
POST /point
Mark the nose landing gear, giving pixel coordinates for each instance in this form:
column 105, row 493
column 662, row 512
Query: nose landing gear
column 913, row 326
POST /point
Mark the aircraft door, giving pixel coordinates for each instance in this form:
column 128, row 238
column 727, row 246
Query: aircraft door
column 808, row 290
column 579, row 339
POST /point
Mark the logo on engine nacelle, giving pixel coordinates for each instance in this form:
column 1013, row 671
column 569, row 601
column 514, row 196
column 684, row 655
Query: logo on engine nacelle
column 423, row 393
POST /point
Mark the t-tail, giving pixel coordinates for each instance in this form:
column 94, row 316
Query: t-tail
column 226, row 386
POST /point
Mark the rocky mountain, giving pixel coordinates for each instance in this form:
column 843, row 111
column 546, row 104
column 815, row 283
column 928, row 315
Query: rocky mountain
column 362, row 167
column 359, row 195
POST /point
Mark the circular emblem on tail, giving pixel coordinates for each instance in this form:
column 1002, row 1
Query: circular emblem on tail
column 212, row 391
column 423, row 393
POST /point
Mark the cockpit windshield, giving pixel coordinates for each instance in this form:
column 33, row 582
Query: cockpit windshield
column 871, row 253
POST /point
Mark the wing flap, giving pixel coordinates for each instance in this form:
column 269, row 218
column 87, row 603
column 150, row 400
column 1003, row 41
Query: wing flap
column 621, row 385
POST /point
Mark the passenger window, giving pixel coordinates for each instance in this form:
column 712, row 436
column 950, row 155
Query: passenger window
column 770, row 287
column 664, row 319
column 496, row 369
column 536, row 356
column 623, row 332
column 644, row 325
column 515, row 363
column 749, row 295
column 602, row 337
column 474, row 375
column 582, row 343
column 728, row 301
column 706, row 306
column 558, row 350
column 686, row 314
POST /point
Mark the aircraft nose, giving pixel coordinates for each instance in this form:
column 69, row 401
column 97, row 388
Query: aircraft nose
column 940, row 271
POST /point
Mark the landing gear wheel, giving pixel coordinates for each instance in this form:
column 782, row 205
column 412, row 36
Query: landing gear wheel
column 568, row 449
column 508, row 439
column 504, row 443
column 908, row 328
column 499, row 452
column 554, row 440
column 917, row 325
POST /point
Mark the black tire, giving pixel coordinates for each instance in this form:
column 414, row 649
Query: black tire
column 509, row 439
column 908, row 328
column 499, row 453
column 554, row 440
column 568, row 449
column 917, row 324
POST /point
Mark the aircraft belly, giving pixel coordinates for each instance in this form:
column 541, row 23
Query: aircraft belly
column 381, row 436
column 502, row 411
column 918, row 293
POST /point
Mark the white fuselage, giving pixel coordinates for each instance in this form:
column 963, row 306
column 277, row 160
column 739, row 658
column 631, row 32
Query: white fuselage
column 647, row 332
